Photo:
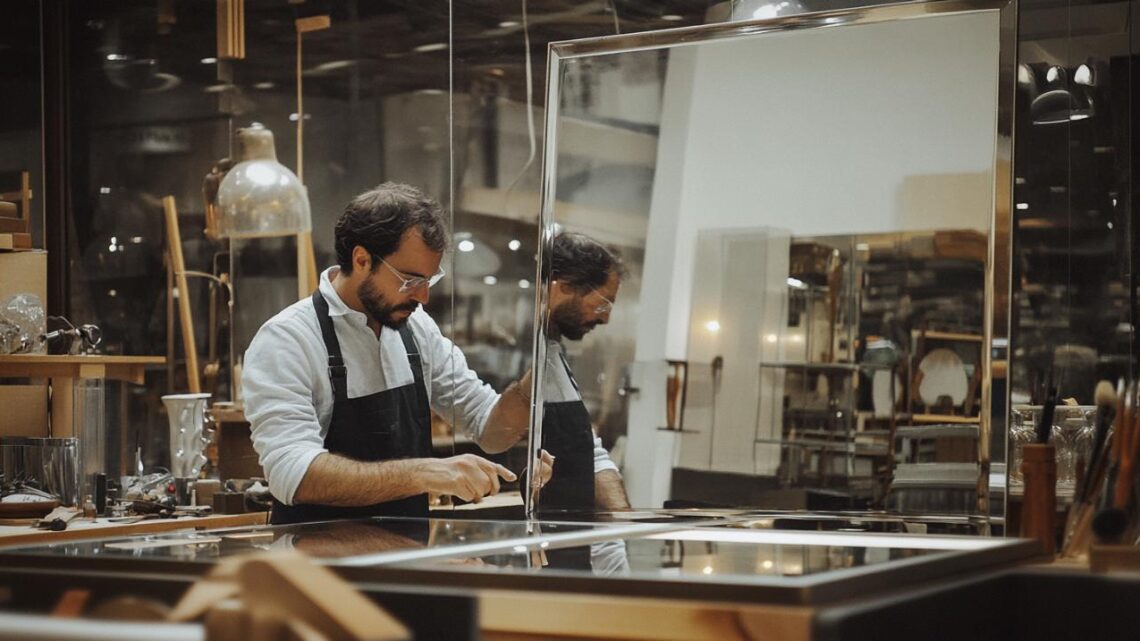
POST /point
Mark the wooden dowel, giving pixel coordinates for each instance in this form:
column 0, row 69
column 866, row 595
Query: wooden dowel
column 174, row 239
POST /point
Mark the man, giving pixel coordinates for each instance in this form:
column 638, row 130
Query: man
column 585, row 277
column 338, row 386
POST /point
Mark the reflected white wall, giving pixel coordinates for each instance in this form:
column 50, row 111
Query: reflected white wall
column 798, row 130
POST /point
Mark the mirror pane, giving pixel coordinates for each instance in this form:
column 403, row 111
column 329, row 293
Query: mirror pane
column 805, row 218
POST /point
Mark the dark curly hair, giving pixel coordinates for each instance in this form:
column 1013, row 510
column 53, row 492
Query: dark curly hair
column 377, row 219
column 583, row 263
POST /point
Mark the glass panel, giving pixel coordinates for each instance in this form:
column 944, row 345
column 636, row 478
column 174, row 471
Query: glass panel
column 334, row 540
column 21, row 129
column 818, row 272
column 1074, row 306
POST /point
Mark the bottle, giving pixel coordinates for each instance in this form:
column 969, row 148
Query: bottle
column 89, row 507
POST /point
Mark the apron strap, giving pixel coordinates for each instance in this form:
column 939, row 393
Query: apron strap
column 338, row 374
column 569, row 373
column 422, row 406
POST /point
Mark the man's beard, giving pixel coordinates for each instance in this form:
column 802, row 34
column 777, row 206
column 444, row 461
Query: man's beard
column 567, row 319
column 380, row 310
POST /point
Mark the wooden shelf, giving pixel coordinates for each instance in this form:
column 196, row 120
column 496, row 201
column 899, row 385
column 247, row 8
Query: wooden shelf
column 64, row 371
column 948, row 336
column 121, row 368
column 944, row 418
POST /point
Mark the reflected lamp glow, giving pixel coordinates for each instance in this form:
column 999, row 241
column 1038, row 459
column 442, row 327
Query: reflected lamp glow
column 738, row 10
column 260, row 197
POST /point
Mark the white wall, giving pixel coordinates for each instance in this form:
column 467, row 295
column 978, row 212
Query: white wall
column 852, row 129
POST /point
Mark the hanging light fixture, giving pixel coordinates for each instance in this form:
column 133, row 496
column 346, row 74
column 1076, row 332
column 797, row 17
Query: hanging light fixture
column 738, row 10
column 260, row 197
column 1060, row 104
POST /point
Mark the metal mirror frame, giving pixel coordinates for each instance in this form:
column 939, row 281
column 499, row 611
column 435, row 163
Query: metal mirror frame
column 996, row 332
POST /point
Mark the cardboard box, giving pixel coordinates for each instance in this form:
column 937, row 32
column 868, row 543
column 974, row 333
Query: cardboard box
column 23, row 272
column 24, row 410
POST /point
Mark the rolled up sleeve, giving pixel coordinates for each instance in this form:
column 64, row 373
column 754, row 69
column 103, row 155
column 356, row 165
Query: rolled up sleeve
column 457, row 392
column 278, row 384
column 602, row 460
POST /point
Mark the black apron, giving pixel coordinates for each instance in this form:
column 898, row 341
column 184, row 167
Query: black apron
column 567, row 435
column 392, row 424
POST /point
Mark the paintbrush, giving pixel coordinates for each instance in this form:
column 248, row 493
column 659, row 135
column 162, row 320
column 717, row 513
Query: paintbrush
column 1084, row 506
column 1106, row 401
column 1045, row 424
column 1111, row 521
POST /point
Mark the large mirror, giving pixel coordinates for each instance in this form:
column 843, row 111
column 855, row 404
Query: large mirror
column 813, row 217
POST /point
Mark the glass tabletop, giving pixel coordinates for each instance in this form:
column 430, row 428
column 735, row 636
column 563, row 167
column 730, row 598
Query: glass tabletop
column 351, row 542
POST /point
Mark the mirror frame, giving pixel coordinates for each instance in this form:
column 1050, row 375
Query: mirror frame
column 998, row 275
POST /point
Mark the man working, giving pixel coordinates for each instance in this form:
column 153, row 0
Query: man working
column 585, row 277
column 338, row 386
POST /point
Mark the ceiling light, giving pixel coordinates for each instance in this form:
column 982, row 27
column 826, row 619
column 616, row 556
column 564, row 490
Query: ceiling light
column 712, row 326
column 514, row 245
column 524, row 284
column 490, row 280
column 1023, row 206
column 738, row 10
column 429, row 92
column 1024, row 75
column 1019, row 181
column 771, row 338
column 672, row 17
column 497, row 72
column 466, row 246
column 796, row 283
column 117, row 56
column 264, row 85
column 1084, row 76
column 1110, row 224
column 507, row 24
column 293, row 117
column 107, row 190
column 432, row 46
column 209, row 61
column 334, row 65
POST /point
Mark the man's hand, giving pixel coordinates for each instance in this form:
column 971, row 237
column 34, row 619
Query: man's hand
column 466, row 477
column 547, row 468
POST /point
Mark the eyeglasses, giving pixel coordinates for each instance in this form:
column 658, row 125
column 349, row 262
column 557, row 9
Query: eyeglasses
column 412, row 283
column 605, row 307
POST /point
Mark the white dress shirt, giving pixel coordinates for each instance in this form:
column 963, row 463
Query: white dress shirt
column 289, row 399
column 558, row 388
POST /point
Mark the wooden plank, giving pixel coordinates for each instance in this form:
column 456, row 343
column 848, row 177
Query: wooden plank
column 102, row 528
column 550, row 615
column 189, row 345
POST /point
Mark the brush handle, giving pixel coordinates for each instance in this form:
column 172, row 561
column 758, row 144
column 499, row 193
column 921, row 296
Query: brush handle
column 1104, row 418
column 1045, row 425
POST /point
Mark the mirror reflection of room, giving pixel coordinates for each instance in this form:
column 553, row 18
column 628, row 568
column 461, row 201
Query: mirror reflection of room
column 809, row 319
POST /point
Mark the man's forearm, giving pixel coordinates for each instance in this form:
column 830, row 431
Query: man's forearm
column 509, row 418
column 609, row 491
column 335, row 480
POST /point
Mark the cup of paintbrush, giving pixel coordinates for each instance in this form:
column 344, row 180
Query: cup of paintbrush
column 1039, row 468
column 1111, row 519
column 1084, row 505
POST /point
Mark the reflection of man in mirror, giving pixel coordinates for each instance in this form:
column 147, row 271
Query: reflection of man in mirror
column 585, row 277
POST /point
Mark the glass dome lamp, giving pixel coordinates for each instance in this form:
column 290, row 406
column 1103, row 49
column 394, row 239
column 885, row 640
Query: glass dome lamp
column 739, row 10
column 260, row 197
